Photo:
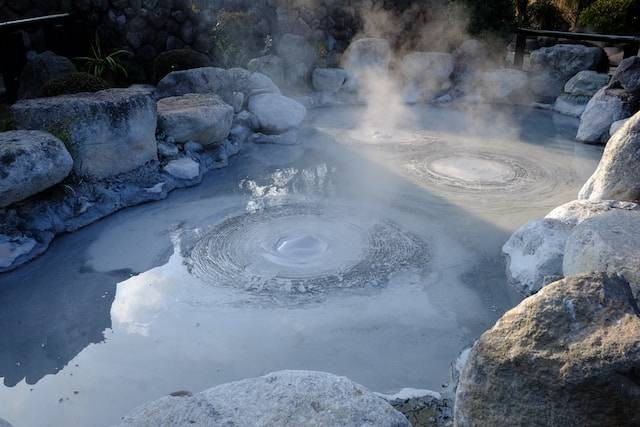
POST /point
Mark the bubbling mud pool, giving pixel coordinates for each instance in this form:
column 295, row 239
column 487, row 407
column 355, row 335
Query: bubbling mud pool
column 375, row 258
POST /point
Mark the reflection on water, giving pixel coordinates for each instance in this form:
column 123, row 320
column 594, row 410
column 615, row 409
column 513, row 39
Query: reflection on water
column 376, row 261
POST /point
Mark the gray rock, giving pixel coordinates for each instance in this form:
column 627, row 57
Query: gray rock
column 30, row 161
column 289, row 137
column 606, row 243
column 426, row 74
column 195, row 80
column 616, row 126
column 618, row 175
column 586, row 83
column 276, row 113
column 271, row 66
column 4, row 423
column 367, row 55
column 571, row 105
column 423, row 408
column 167, row 150
column 245, row 118
column 107, row 132
column 568, row 355
column 504, row 85
column 285, row 398
column 554, row 66
column 329, row 80
column 12, row 248
column 248, row 83
column 606, row 106
column 192, row 147
column 202, row 118
column 184, row 168
column 577, row 211
column 39, row 70
column 627, row 75
column 299, row 56
column 534, row 254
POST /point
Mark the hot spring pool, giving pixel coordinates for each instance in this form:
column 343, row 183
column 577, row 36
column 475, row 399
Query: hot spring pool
column 376, row 257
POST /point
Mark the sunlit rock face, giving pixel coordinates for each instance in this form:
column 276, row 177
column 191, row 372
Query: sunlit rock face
column 568, row 355
column 285, row 398
column 305, row 249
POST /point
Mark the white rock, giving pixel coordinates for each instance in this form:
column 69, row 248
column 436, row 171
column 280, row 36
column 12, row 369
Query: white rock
column 107, row 132
column 202, row 118
column 576, row 211
column 534, row 254
column 184, row 168
column 30, row 161
column 606, row 243
column 285, row 398
column 329, row 80
column 167, row 150
column 586, row 83
column 618, row 175
column 276, row 113
column 13, row 247
column 606, row 106
column 616, row 126
column 571, row 105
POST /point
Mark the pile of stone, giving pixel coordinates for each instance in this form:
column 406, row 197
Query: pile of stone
column 78, row 158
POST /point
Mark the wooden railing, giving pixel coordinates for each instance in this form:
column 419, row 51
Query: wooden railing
column 522, row 34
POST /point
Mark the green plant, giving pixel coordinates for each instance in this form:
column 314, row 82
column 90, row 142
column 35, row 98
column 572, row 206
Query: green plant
column 101, row 63
column 612, row 17
column 73, row 83
column 176, row 60
column 545, row 15
column 495, row 16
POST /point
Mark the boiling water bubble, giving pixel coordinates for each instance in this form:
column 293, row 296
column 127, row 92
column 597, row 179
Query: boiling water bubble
column 305, row 248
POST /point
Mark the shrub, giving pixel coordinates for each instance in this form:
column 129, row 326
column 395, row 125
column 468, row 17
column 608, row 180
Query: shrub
column 176, row 60
column 104, row 64
column 495, row 16
column 612, row 17
column 545, row 15
column 73, row 83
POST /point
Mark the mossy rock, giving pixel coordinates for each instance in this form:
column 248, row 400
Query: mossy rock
column 176, row 60
column 73, row 83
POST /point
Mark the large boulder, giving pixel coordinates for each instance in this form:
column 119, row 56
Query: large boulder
column 426, row 74
column 107, row 132
column 30, row 161
column 285, row 398
column 577, row 211
column 299, row 57
column 627, row 75
column 195, row 80
column 568, row 355
column 606, row 243
column 367, row 55
column 271, row 66
column 248, row 83
column 504, row 85
column 534, row 254
column 618, row 175
column 606, row 107
column 202, row 118
column 553, row 66
column 40, row 69
column 328, row 80
column 578, row 91
column 276, row 113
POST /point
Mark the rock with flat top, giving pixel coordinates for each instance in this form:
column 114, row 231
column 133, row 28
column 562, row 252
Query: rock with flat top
column 276, row 113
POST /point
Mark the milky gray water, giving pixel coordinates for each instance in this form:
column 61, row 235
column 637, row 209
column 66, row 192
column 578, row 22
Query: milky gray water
column 370, row 253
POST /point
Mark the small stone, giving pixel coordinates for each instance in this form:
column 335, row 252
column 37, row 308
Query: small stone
column 184, row 168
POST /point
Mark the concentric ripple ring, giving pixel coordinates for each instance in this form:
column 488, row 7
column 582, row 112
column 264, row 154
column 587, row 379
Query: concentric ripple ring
column 300, row 248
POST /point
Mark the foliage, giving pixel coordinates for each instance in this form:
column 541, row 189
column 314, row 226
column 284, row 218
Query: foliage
column 101, row 63
column 495, row 16
column 612, row 17
column 235, row 41
column 545, row 15
column 176, row 60
column 73, row 83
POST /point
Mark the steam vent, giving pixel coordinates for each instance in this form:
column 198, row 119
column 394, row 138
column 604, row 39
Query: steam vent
column 327, row 213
